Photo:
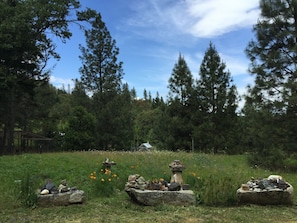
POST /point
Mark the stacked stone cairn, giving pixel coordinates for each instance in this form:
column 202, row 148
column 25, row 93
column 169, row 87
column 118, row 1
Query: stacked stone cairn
column 135, row 181
column 157, row 192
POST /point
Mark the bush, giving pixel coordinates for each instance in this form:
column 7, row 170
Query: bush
column 272, row 159
column 27, row 190
column 291, row 163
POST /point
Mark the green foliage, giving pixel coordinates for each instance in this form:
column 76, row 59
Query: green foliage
column 79, row 134
column 271, row 102
column 104, row 182
column 218, row 98
column 275, row 159
column 27, row 190
column 100, row 71
column 290, row 163
column 25, row 48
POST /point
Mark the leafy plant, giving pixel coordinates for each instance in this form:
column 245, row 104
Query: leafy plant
column 105, row 182
column 27, row 190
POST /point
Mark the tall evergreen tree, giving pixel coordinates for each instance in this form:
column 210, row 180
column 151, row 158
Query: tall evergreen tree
column 273, row 56
column 102, row 74
column 25, row 47
column 180, row 82
column 180, row 90
column 218, row 97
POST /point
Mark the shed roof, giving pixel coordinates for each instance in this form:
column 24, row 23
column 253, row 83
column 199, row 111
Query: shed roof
column 145, row 145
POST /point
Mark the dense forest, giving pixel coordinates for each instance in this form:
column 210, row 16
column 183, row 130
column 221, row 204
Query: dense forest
column 103, row 113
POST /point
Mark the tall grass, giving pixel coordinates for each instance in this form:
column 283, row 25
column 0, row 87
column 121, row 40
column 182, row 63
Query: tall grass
column 213, row 178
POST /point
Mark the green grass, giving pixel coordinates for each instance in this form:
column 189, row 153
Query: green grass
column 214, row 179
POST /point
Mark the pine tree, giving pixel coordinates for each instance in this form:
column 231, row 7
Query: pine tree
column 179, row 109
column 100, row 72
column 218, row 100
column 180, row 82
column 273, row 56
column 25, row 47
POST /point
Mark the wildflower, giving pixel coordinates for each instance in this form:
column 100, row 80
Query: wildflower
column 114, row 175
column 102, row 180
column 109, row 179
column 194, row 174
column 107, row 171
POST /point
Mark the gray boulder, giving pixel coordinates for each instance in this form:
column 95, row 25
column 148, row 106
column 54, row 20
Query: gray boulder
column 157, row 197
column 61, row 199
column 274, row 196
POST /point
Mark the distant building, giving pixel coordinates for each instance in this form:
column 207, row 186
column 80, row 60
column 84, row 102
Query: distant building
column 145, row 147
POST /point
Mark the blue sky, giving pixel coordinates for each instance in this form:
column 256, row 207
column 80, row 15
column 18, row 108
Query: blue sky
column 151, row 33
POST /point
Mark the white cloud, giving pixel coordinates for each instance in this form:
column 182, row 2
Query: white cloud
column 216, row 17
column 199, row 18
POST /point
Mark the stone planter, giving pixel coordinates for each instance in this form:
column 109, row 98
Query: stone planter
column 266, row 197
column 157, row 197
column 61, row 199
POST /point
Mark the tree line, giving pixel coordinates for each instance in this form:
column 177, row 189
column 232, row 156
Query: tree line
column 102, row 112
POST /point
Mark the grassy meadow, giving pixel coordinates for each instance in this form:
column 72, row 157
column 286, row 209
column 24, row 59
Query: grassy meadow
column 213, row 178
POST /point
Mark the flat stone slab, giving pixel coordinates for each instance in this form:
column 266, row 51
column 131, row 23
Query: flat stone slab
column 61, row 199
column 157, row 197
column 266, row 197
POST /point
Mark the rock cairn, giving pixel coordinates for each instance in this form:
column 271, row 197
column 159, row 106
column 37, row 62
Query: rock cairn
column 176, row 181
column 135, row 181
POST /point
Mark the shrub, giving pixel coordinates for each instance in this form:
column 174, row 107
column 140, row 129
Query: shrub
column 27, row 190
column 272, row 159
column 291, row 163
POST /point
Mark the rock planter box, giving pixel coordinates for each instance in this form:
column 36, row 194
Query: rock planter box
column 270, row 191
column 157, row 197
column 61, row 199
